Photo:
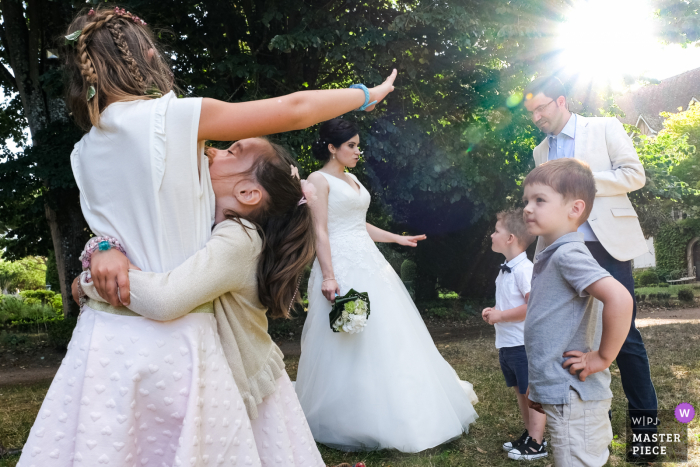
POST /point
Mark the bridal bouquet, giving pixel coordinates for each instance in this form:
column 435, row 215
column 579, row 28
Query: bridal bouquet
column 350, row 312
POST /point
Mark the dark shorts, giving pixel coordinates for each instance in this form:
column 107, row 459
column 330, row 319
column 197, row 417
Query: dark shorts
column 514, row 366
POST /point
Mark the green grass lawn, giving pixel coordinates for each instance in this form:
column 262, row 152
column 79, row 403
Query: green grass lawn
column 674, row 351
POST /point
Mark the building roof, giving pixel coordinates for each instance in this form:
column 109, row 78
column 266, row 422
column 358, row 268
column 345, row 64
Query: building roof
column 667, row 96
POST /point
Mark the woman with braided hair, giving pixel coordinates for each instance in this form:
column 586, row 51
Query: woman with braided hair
column 137, row 391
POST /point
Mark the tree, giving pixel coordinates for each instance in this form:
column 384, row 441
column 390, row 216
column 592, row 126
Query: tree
column 38, row 200
column 447, row 150
column 661, row 156
column 679, row 20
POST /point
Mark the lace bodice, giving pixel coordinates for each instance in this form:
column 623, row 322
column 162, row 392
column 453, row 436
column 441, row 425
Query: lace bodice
column 351, row 246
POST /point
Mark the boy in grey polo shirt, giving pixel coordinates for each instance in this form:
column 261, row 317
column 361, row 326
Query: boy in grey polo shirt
column 570, row 340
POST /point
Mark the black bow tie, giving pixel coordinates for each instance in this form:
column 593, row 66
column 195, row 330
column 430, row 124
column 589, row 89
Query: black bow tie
column 505, row 268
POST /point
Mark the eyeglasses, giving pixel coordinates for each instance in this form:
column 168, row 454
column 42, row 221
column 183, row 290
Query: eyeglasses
column 541, row 108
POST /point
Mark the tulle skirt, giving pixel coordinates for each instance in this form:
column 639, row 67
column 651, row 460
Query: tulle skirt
column 387, row 386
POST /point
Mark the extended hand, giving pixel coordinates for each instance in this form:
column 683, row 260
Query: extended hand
column 410, row 240
column 378, row 93
column 584, row 364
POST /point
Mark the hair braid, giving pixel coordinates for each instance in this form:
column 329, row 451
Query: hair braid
column 86, row 67
column 120, row 41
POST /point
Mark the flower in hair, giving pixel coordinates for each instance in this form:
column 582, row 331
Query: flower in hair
column 295, row 172
column 91, row 12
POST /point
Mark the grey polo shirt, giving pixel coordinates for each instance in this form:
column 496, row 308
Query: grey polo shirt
column 561, row 316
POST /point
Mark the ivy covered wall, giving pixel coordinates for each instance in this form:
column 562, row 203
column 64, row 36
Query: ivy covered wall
column 671, row 245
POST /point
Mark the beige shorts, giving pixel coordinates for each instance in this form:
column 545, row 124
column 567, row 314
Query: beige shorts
column 580, row 431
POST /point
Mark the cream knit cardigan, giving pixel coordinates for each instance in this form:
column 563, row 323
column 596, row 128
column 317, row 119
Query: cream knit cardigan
column 224, row 271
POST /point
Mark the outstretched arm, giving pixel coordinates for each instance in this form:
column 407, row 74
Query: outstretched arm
column 382, row 236
column 221, row 266
column 228, row 121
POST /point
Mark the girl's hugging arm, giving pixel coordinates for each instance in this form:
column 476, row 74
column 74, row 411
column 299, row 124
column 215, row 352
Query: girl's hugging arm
column 222, row 266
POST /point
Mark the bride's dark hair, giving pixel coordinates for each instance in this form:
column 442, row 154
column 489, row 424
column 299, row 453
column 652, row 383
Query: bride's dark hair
column 286, row 229
column 335, row 132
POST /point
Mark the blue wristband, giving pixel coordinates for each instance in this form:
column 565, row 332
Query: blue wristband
column 366, row 91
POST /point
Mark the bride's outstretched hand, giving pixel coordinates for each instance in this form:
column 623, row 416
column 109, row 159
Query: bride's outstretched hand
column 378, row 93
column 410, row 240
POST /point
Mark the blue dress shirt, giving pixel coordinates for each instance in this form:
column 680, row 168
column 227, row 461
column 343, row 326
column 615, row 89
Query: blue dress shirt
column 562, row 145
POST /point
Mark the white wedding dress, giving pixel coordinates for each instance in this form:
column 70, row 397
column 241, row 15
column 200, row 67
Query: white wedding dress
column 387, row 386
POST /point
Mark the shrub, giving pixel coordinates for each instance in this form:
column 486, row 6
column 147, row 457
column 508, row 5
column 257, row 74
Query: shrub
column 13, row 305
column 12, row 339
column 57, row 304
column 60, row 332
column 409, row 271
column 664, row 285
column 43, row 296
column 686, row 295
column 647, row 278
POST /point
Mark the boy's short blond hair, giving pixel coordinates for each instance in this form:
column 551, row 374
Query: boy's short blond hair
column 514, row 223
column 571, row 178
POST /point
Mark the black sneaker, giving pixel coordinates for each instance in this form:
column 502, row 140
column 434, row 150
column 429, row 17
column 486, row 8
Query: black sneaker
column 507, row 447
column 529, row 450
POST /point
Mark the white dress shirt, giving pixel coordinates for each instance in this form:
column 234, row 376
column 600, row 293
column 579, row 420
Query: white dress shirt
column 511, row 288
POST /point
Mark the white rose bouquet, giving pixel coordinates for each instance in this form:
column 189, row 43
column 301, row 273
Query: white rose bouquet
column 350, row 312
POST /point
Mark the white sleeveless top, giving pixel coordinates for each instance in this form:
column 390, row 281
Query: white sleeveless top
column 139, row 181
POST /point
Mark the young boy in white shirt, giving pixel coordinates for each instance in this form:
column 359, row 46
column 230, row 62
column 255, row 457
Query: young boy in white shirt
column 511, row 239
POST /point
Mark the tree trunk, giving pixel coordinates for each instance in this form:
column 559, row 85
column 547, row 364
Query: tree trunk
column 69, row 233
column 23, row 39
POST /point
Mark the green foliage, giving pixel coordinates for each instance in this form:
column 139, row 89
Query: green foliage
column 678, row 20
column 671, row 243
column 11, row 339
column 647, row 278
column 661, row 156
column 686, row 295
column 60, row 332
column 52, row 278
column 409, row 271
column 27, row 273
column 41, row 296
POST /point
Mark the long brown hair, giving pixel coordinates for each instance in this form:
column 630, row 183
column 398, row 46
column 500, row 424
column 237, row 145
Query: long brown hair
column 286, row 229
column 111, row 56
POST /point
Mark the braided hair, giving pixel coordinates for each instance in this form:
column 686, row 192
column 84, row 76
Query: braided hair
column 112, row 57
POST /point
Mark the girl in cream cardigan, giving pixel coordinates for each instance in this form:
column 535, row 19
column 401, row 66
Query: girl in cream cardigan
column 249, row 266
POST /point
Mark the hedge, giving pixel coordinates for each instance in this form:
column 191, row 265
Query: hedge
column 671, row 245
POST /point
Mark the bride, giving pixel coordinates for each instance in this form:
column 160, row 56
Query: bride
column 387, row 386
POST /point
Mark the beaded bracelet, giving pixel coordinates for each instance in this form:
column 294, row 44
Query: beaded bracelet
column 101, row 244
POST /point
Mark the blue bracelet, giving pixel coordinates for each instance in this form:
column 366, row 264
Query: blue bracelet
column 366, row 91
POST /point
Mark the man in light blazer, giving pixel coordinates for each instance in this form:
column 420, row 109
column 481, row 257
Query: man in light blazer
column 612, row 233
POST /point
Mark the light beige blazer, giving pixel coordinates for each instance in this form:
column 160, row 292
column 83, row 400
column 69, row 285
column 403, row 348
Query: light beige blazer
column 603, row 143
